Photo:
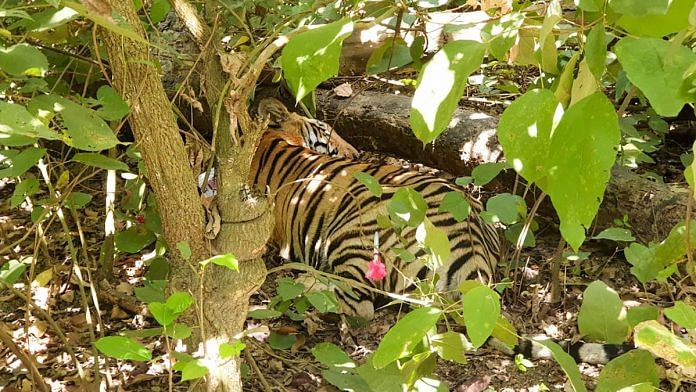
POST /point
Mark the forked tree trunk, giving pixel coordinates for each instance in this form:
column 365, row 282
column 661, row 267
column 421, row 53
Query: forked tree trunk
column 222, row 305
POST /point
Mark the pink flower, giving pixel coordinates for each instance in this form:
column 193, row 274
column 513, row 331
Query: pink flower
column 376, row 270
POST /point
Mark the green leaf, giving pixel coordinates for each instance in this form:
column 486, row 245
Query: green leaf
column 481, row 307
column 405, row 335
column 162, row 314
column 391, row 54
column 159, row 10
column 640, row 7
column 78, row 200
column 115, row 25
column 50, row 19
column 638, row 314
column 615, row 234
column 661, row 342
column 227, row 260
column 152, row 291
column 23, row 59
column 513, row 232
column 656, row 67
column 324, row 301
column 312, row 57
column 122, row 347
column 590, row 5
column 570, row 368
column 486, row 172
column 228, row 350
column 179, row 331
column 682, row 314
column 289, row 289
column 502, row 34
column 24, row 189
column 113, row 107
column 435, row 240
column 456, row 204
column 281, row 342
column 658, row 25
column 11, row 271
column 193, row 370
column 645, row 266
column 345, row 380
column 407, row 207
column 564, row 84
column 264, row 314
column 524, row 132
column 133, row 239
column 101, row 161
column 596, row 50
column 505, row 332
column 85, row 130
column 440, row 86
column 584, row 84
column 23, row 161
column 328, row 354
column 381, row 379
column 184, row 250
column 506, row 207
column 549, row 53
column 370, row 182
column 576, row 187
column 179, row 302
column 18, row 127
column 451, row 346
column 602, row 314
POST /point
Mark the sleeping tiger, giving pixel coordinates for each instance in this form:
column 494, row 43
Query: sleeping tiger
column 326, row 218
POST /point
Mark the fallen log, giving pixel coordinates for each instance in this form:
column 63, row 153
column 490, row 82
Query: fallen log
column 376, row 121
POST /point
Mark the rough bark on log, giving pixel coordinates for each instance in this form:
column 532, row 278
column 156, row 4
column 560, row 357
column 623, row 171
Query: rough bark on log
column 379, row 122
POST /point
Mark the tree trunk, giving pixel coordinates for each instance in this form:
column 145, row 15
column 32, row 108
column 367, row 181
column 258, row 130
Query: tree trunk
column 222, row 299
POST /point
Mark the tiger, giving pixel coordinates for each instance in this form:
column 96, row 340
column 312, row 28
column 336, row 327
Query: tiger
column 326, row 218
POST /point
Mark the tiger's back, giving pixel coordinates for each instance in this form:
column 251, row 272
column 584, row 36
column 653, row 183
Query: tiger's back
column 327, row 219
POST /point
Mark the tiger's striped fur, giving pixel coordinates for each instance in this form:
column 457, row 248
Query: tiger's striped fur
column 327, row 219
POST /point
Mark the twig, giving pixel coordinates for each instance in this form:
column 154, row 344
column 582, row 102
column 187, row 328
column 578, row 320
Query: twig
column 555, row 272
column 36, row 379
column 249, row 358
column 690, row 267
column 67, row 346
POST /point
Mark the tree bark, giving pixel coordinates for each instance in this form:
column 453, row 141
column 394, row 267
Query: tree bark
column 222, row 297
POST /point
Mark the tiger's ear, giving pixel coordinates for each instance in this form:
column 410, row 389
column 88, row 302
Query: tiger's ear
column 274, row 110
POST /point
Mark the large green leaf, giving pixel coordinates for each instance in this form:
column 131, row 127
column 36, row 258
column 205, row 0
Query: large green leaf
column 312, row 57
column 658, row 25
column 435, row 240
column 640, row 7
column 23, row 59
column 18, row 127
column 661, row 342
column 581, row 155
column 596, row 50
column 525, row 130
column 407, row 207
column 113, row 107
column 481, row 307
column 123, row 348
column 682, row 314
column 22, row 162
column 100, row 161
column 634, row 367
column 567, row 364
column 85, row 130
column 656, row 67
column 602, row 314
column 403, row 336
column 440, row 86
